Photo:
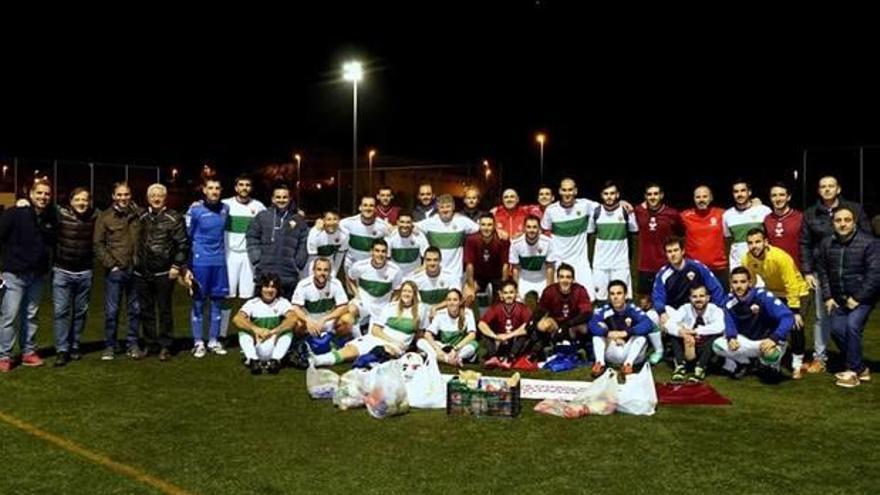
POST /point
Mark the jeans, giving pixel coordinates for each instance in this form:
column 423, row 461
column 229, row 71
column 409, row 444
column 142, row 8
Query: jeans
column 821, row 329
column 70, row 296
column 119, row 283
column 847, row 326
column 154, row 293
column 20, row 303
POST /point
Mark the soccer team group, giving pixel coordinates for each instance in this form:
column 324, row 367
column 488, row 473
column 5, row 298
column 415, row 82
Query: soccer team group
column 520, row 286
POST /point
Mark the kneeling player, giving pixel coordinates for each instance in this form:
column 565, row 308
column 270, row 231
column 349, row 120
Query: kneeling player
column 566, row 309
column 619, row 329
column 394, row 330
column 504, row 328
column 455, row 328
column 321, row 305
column 693, row 329
column 266, row 326
column 758, row 327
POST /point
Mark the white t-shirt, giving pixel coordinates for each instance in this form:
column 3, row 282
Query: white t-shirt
column 319, row 301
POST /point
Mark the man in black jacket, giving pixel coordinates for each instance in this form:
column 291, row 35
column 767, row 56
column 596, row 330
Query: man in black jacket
column 816, row 227
column 28, row 236
column 849, row 273
column 161, row 252
column 72, row 273
column 276, row 241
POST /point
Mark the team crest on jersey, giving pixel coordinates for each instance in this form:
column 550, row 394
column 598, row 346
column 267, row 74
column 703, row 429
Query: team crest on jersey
column 577, row 212
column 713, row 221
column 540, row 251
column 691, row 276
column 292, row 224
column 486, row 255
column 652, row 224
column 508, row 325
column 373, row 233
column 442, row 284
column 335, row 240
column 780, row 229
column 628, row 322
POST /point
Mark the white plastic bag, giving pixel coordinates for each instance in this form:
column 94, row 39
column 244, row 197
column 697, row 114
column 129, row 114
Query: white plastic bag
column 425, row 388
column 321, row 384
column 638, row 395
column 350, row 393
column 386, row 395
column 601, row 398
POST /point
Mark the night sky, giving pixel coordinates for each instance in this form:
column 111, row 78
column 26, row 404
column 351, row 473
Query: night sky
column 679, row 96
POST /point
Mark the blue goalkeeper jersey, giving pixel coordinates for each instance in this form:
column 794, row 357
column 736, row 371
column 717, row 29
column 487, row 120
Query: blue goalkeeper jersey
column 206, row 225
column 759, row 315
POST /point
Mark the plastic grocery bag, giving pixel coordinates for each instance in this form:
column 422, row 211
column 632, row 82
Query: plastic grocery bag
column 321, row 384
column 600, row 399
column 350, row 393
column 638, row 395
column 425, row 388
column 386, row 391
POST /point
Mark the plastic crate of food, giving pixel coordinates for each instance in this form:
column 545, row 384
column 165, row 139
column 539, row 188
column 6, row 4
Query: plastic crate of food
column 492, row 397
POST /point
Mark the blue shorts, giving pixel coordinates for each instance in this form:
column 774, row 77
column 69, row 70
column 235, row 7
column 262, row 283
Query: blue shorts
column 213, row 281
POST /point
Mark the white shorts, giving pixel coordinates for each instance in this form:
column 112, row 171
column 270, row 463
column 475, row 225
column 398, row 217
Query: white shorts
column 241, row 275
column 524, row 287
column 367, row 343
column 583, row 274
column 603, row 276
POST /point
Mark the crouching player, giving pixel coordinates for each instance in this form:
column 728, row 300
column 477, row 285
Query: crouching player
column 619, row 329
column 504, row 328
column 564, row 310
column 692, row 330
column 265, row 326
column 321, row 308
column 452, row 332
column 758, row 327
column 394, row 330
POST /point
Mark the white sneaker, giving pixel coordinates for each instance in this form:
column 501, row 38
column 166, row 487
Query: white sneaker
column 216, row 347
column 199, row 351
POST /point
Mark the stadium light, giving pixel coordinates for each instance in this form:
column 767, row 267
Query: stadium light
column 353, row 72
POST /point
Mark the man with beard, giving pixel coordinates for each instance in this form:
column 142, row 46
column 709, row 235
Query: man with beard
column 657, row 222
column 783, row 225
column 704, row 233
column 384, row 209
column 530, row 259
column 613, row 227
column 447, row 231
column 692, row 329
column 740, row 218
column 426, row 205
column 362, row 230
column 485, row 257
column 619, row 329
column 406, row 246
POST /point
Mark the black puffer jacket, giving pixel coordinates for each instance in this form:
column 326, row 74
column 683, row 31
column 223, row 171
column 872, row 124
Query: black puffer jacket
column 75, row 248
column 850, row 268
column 161, row 242
column 276, row 242
column 28, row 239
column 817, row 226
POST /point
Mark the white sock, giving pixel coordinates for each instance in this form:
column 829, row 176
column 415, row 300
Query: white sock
column 656, row 340
column 797, row 360
column 326, row 359
column 246, row 342
column 729, row 365
column 224, row 322
column 466, row 352
column 599, row 349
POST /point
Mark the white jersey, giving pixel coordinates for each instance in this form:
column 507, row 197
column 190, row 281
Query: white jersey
column 569, row 228
column 361, row 237
column 713, row 320
column 612, row 228
column 449, row 237
column 737, row 224
column 319, row 301
column 240, row 217
column 267, row 316
column 433, row 290
column 447, row 328
column 407, row 252
column 375, row 285
column 401, row 328
column 326, row 245
column 531, row 258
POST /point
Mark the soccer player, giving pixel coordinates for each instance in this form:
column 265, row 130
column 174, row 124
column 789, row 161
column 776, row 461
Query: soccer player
column 758, row 326
column 619, row 329
column 393, row 330
column 447, row 231
column 692, row 330
column 781, row 277
column 406, row 246
column 321, row 304
column 432, row 281
column 704, row 234
column 486, row 255
column 471, row 202
column 565, row 308
column 384, row 209
column 675, row 280
column 206, row 224
column 613, row 227
column 740, row 218
column 452, row 331
column 373, row 280
column 530, row 259
column 327, row 240
column 362, row 230
column 783, row 225
column 265, row 326
column 242, row 210
column 503, row 328
column 657, row 222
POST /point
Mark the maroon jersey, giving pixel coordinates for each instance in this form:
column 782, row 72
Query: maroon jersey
column 488, row 258
column 502, row 318
column 562, row 307
column 784, row 232
column 655, row 226
column 390, row 215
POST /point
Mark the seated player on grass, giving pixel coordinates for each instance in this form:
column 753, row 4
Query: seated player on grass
column 452, row 331
column 503, row 328
column 692, row 330
column 758, row 327
column 619, row 329
column 393, row 331
column 321, row 306
column 265, row 326
column 564, row 310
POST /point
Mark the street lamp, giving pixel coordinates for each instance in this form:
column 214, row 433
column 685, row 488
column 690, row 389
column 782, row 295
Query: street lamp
column 353, row 71
column 488, row 170
column 370, row 159
column 298, row 159
column 541, row 138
